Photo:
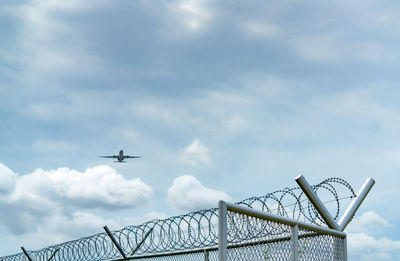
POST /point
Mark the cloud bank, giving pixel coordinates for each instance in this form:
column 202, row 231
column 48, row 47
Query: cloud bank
column 365, row 241
column 64, row 195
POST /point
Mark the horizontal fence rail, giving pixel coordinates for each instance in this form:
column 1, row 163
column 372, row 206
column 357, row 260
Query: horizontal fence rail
column 191, row 233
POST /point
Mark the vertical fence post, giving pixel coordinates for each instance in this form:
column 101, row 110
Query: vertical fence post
column 340, row 244
column 206, row 255
column 337, row 245
column 222, row 231
column 295, row 243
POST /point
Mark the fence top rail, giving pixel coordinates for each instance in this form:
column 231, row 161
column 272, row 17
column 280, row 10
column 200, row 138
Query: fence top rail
column 280, row 219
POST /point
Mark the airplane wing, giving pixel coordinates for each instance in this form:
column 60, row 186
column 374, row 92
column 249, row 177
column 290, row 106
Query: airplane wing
column 111, row 157
column 132, row 157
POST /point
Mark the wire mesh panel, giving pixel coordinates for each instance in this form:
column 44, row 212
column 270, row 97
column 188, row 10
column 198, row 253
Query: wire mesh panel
column 251, row 238
column 252, row 235
column 316, row 246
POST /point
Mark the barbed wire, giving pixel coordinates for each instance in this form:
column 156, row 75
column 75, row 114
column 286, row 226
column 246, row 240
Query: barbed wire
column 189, row 231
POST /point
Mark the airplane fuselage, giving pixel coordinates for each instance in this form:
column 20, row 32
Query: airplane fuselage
column 121, row 156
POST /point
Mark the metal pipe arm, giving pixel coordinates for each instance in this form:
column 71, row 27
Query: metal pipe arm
column 356, row 203
column 317, row 203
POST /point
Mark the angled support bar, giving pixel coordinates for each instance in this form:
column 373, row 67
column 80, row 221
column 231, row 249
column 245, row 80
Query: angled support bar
column 317, row 203
column 284, row 220
column 54, row 253
column 355, row 204
column 26, row 254
column 141, row 242
column 114, row 241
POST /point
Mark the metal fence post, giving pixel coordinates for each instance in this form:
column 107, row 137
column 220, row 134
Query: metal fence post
column 222, row 231
column 295, row 243
column 206, row 255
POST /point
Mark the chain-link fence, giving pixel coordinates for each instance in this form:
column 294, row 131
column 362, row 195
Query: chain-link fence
column 194, row 236
column 247, row 234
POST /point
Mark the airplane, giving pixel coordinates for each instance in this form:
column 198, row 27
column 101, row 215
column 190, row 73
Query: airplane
column 120, row 157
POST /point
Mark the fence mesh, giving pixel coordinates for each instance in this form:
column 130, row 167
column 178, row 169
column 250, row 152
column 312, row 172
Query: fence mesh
column 313, row 246
column 252, row 238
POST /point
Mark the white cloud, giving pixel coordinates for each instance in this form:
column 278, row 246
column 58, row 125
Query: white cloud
column 60, row 228
column 369, row 222
column 7, row 180
column 100, row 186
column 365, row 247
column 196, row 154
column 61, row 194
column 187, row 193
column 362, row 245
column 193, row 14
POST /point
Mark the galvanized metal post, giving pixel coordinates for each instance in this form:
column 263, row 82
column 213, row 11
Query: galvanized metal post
column 206, row 255
column 355, row 204
column 295, row 243
column 317, row 203
column 26, row 254
column 222, row 231
column 345, row 248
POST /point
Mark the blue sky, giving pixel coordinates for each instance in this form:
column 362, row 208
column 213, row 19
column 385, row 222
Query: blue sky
column 229, row 99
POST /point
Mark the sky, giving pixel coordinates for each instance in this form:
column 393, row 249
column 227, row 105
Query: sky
column 222, row 99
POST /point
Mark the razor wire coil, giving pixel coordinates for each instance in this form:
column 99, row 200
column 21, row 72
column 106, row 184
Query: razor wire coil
column 193, row 230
